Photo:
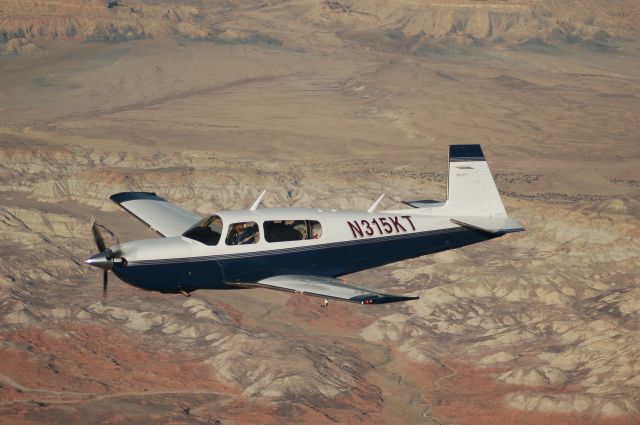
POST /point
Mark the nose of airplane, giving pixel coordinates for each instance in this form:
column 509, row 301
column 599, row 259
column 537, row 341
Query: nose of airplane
column 102, row 260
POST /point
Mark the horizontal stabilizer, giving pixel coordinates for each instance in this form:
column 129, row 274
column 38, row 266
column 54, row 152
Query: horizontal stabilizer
column 493, row 225
column 326, row 287
column 427, row 203
column 156, row 212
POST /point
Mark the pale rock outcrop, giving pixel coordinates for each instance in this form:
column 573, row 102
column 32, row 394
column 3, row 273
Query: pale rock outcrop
column 500, row 357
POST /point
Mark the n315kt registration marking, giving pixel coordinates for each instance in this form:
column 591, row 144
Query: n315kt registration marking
column 381, row 226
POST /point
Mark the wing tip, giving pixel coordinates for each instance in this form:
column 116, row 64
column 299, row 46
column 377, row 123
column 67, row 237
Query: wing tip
column 121, row 197
column 383, row 299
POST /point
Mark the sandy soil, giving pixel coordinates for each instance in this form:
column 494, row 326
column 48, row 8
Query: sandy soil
column 326, row 104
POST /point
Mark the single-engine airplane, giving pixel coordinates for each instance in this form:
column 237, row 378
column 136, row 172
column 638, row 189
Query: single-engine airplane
column 303, row 250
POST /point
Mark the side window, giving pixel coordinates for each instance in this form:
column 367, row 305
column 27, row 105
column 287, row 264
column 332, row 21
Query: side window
column 291, row 230
column 243, row 233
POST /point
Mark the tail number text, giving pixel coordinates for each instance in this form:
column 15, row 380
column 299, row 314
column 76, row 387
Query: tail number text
column 381, row 226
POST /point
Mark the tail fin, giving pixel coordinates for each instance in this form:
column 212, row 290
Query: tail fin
column 472, row 190
column 473, row 200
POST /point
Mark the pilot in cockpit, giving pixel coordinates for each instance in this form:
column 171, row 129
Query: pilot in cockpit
column 243, row 233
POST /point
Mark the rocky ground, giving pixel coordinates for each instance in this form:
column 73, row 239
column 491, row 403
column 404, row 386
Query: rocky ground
column 323, row 104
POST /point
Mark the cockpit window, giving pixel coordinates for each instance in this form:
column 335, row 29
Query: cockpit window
column 207, row 230
column 291, row 230
column 243, row 233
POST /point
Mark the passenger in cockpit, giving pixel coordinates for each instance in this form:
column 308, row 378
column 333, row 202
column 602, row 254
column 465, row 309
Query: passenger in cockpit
column 316, row 231
column 301, row 227
column 251, row 234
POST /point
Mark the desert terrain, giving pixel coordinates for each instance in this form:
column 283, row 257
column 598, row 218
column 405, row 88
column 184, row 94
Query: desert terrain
column 324, row 104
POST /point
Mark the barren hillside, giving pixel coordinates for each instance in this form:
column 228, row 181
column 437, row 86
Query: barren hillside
column 328, row 104
column 419, row 26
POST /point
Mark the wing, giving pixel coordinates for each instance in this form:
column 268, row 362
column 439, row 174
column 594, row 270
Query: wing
column 325, row 287
column 158, row 213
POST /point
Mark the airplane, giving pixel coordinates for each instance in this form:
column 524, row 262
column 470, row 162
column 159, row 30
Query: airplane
column 302, row 250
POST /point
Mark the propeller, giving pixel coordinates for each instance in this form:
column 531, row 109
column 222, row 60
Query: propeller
column 104, row 259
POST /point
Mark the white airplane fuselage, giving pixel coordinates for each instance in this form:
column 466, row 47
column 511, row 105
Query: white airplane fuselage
column 351, row 241
column 303, row 249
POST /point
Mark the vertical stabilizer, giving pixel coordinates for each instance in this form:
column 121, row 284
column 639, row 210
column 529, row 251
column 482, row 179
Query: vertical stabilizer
column 471, row 190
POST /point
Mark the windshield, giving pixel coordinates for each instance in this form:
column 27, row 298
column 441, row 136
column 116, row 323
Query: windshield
column 206, row 231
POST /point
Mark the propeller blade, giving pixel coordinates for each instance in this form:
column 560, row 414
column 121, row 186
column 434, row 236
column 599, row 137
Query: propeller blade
column 97, row 236
column 104, row 283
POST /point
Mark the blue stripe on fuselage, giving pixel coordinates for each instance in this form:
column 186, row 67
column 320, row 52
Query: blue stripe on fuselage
column 333, row 259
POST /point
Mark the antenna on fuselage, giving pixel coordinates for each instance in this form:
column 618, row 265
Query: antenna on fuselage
column 255, row 204
column 373, row 207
